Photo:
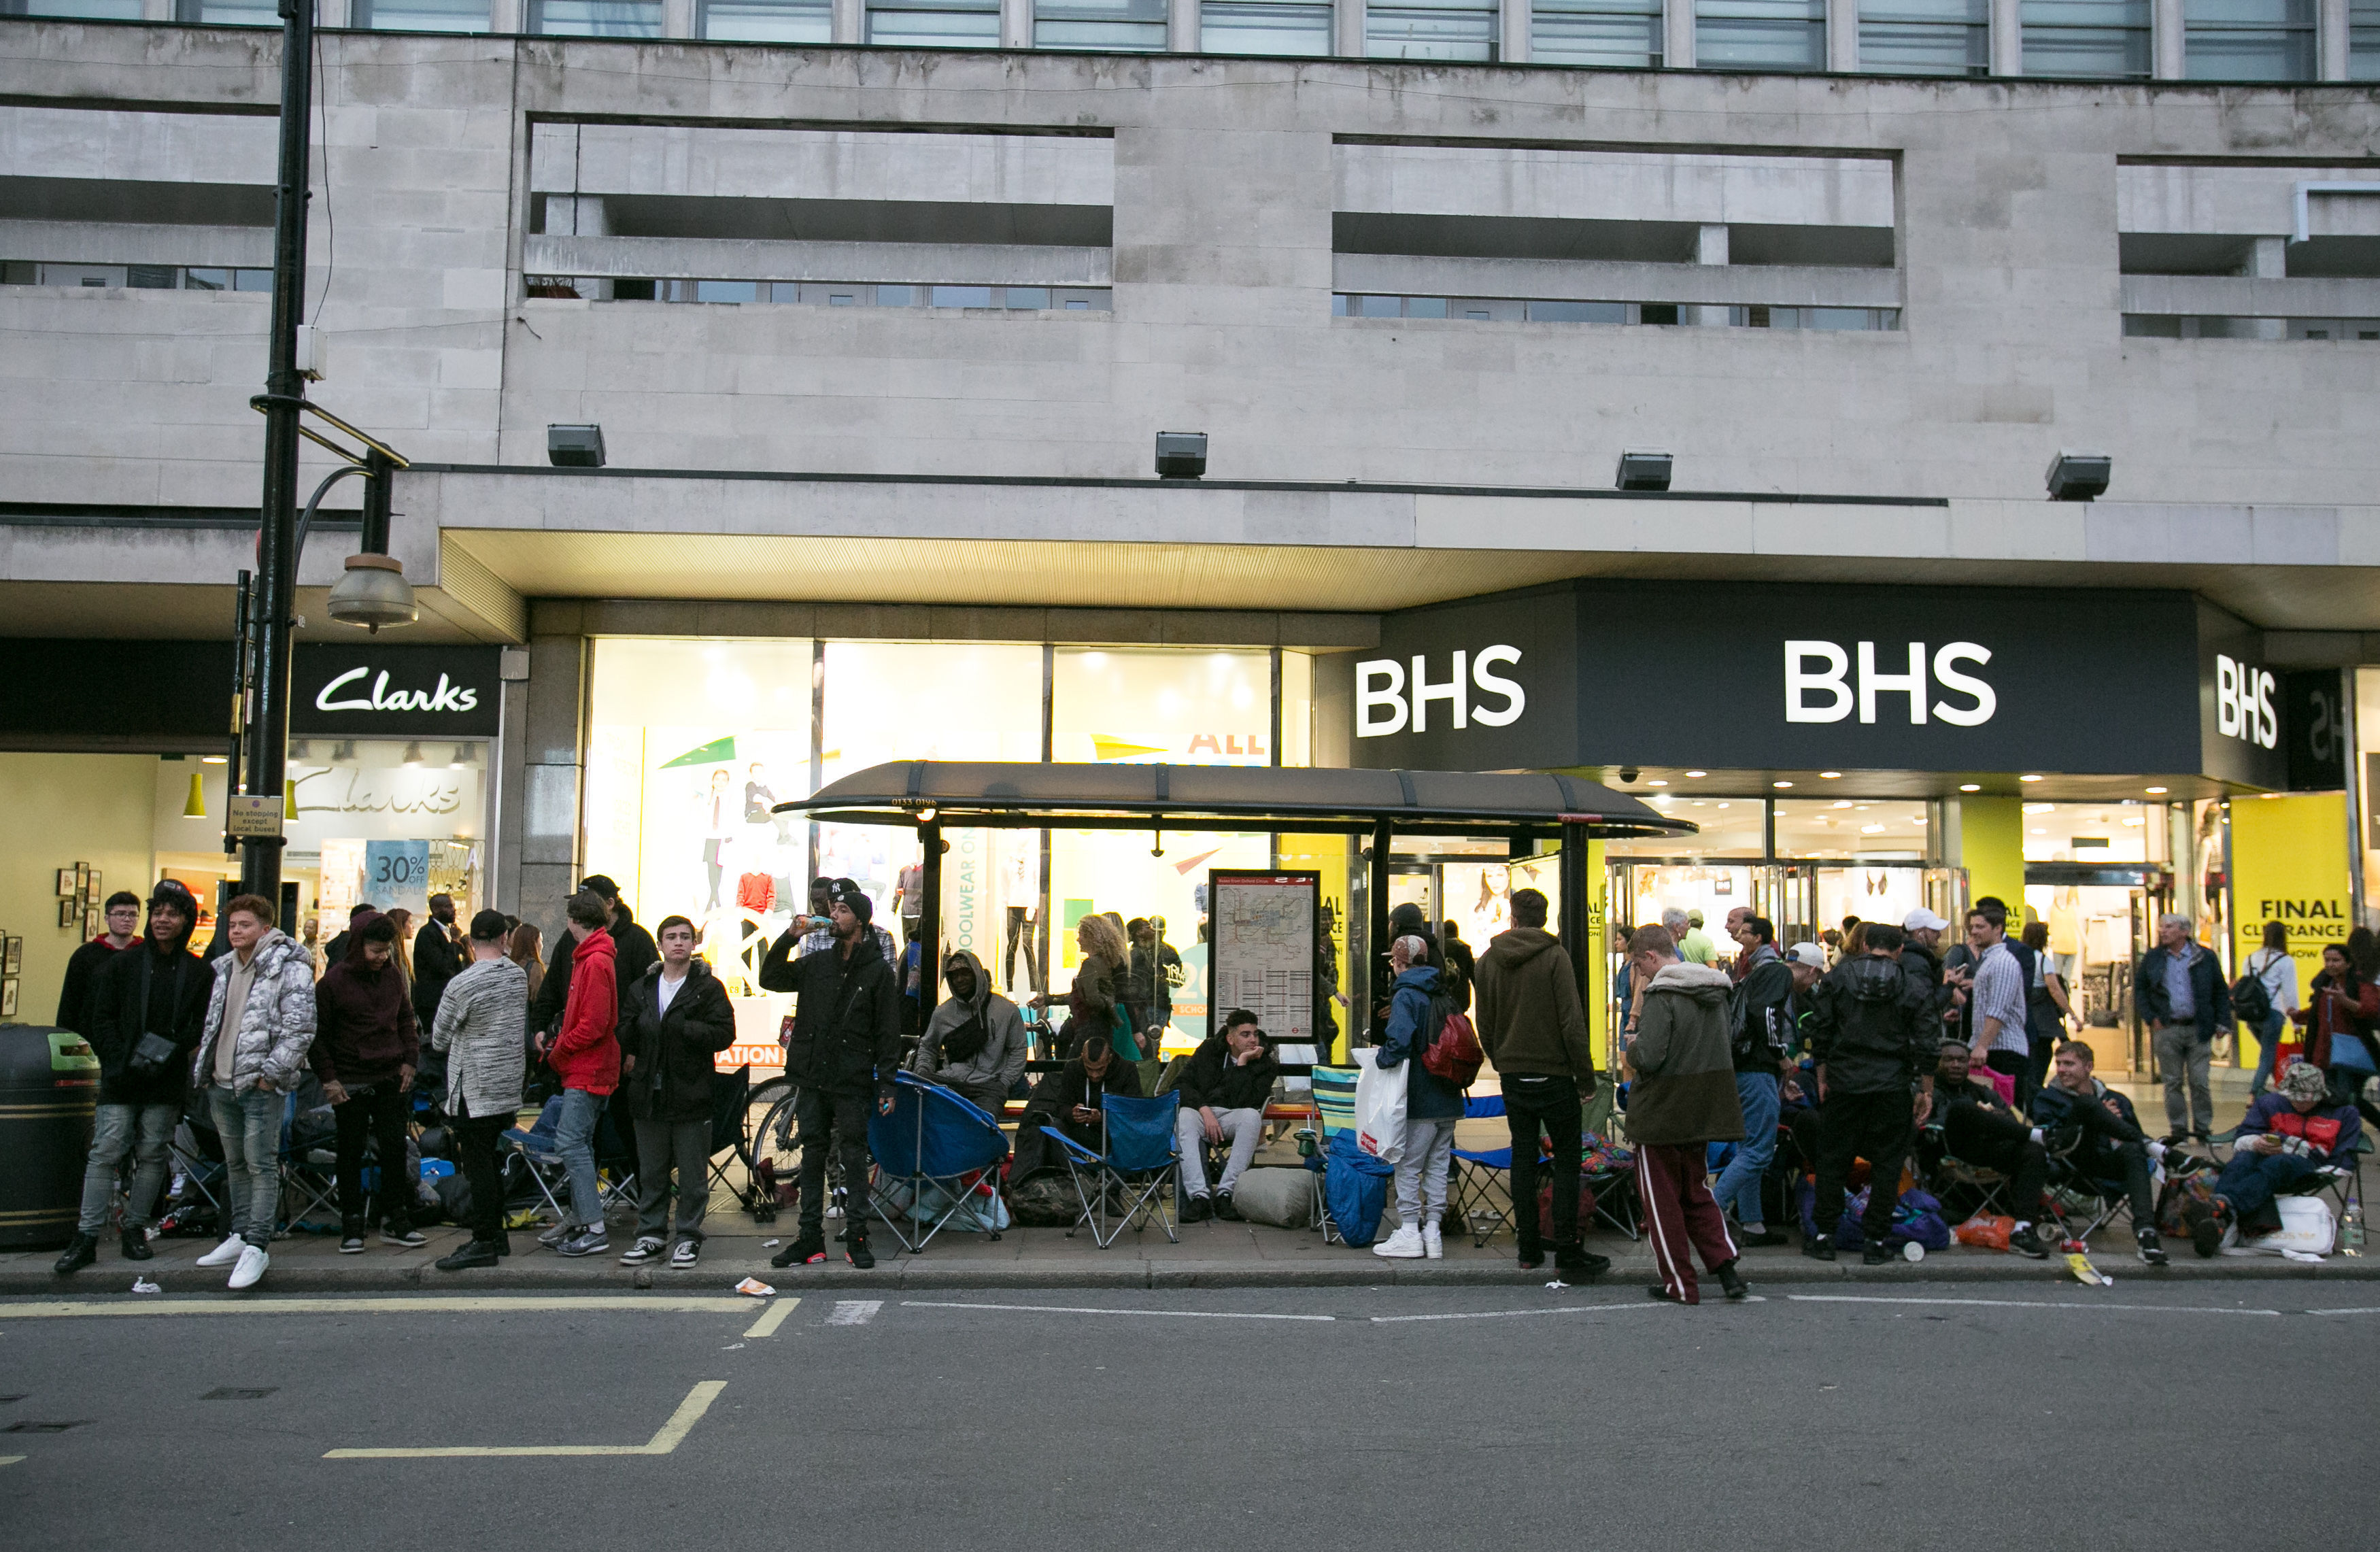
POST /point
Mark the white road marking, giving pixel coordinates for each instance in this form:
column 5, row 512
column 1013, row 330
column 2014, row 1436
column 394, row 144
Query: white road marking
column 2363, row 1309
column 855, row 1312
column 2023, row 1304
column 673, row 1433
column 1506, row 1314
column 9, row 1460
column 483, row 1303
column 1072, row 1309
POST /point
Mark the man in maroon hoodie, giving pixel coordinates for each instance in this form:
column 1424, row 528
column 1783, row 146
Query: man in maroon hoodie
column 366, row 1048
column 586, row 1055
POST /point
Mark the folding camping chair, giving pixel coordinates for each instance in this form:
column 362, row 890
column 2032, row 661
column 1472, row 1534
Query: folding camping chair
column 1480, row 1194
column 1984, row 1188
column 1614, row 1184
column 1142, row 1158
column 310, row 1179
column 543, row 1161
column 2078, row 1202
column 937, row 1158
column 1334, row 1109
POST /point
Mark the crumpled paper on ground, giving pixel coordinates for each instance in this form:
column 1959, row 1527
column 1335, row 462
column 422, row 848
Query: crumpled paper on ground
column 143, row 1285
column 754, row 1288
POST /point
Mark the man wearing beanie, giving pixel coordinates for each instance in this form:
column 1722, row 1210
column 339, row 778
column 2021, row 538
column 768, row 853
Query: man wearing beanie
column 842, row 1051
column 479, row 1026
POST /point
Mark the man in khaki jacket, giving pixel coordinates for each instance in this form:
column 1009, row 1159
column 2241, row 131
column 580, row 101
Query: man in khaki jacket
column 1682, row 1098
column 1534, row 1030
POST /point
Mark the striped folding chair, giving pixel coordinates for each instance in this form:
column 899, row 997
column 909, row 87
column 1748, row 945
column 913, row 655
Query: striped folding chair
column 1334, row 1104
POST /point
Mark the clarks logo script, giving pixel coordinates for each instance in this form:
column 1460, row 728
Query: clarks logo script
column 448, row 696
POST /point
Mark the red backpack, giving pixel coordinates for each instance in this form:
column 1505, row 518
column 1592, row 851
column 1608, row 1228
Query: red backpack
column 1453, row 1054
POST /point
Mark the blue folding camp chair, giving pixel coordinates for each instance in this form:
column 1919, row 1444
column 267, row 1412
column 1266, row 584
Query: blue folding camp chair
column 937, row 1160
column 1128, row 1181
column 1334, row 1108
column 1480, row 1199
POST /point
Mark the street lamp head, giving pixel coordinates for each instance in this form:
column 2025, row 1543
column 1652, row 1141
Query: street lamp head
column 373, row 593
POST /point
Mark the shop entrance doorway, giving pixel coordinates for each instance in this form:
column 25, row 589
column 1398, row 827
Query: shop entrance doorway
column 2101, row 920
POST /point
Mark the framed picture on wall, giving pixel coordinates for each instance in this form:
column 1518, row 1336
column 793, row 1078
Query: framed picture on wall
column 70, row 911
column 12, row 957
column 93, row 922
column 8, row 997
column 90, row 889
column 68, row 882
column 82, row 876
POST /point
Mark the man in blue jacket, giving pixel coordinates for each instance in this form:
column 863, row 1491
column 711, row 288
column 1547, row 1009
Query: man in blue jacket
column 2180, row 990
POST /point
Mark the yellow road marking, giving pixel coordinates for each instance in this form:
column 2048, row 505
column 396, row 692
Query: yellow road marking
column 723, row 1304
column 9, row 1460
column 673, row 1433
column 771, row 1318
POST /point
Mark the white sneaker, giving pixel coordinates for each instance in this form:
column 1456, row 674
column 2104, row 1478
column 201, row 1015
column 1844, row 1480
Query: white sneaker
column 225, row 1254
column 1404, row 1245
column 1433, row 1244
column 251, row 1270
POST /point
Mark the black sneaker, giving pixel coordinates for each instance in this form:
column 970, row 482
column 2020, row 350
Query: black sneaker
column 855, row 1251
column 1196, row 1210
column 686, row 1253
column 1761, row 1239
column 2027, row 1241
column 136, row 1243
column 2061, row 1139
column 808, row 1251
column 1532, row 1257
column 1819, row 1248
column 1731, row 1281
column 351, row 1243
column 644, row 1250
column 403, row 1234
column 477, row 1252
column 81, row 1251
column 2152, row 1247
column 2206, row 1233
column 1576, row 1262
column 1874, row 1254
column 1224, row 1210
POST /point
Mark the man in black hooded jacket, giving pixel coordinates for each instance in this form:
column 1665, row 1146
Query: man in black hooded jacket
column 844, row 1052
column 145, row 1016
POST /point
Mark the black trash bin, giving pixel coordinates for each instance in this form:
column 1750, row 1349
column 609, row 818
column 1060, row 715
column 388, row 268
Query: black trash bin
column 49, row 1088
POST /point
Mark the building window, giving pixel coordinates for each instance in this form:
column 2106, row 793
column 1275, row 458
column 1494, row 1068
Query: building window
column 769, row 21
column 420, row 16
column 2248, row 40
column 228, row 13
column 1617, row 34
column 75, row 10
column 1761, row 34
column 2363, row 40
column 935, row 23
column 1452, row 30
column 1274, row 27
column 1925, row 37
column 2107, row 38
column 596, row 19
column 1120, row 26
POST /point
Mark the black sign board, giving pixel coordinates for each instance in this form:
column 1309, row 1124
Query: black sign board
column 2314, row 727
column 395, row 692
column 1792, row 676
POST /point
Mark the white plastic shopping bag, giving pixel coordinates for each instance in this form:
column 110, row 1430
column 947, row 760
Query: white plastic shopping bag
column 1379, row 1108
column 2308, row 1227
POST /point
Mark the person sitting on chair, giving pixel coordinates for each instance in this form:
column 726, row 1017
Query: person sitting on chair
column 1093, row 1072
column 1979, row 1128
column 1223, row 1087
column 2094, row 1128
column 2288, row 1134
column 976, row 1042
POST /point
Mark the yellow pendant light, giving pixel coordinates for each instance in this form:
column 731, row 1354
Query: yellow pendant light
column 288, row 800
column 195, row 809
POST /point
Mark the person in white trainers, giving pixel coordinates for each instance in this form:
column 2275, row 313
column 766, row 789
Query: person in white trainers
column 673, row 1025
column 259, row 1026
column 1432, row 1105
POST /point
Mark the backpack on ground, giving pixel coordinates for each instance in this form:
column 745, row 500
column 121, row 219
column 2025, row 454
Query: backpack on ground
column 1045, row 1200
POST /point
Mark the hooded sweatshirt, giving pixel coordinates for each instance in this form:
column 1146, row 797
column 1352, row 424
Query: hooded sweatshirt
column 993, row 1071
column 1684, row 1088
column 586, row 1054
column 123, row 1005
column 1530, row 1020
column 364, row 1027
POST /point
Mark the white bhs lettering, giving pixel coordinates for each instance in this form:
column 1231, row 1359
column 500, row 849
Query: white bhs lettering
column 2243, row 703
column 1382, row 706
column 1834, row 696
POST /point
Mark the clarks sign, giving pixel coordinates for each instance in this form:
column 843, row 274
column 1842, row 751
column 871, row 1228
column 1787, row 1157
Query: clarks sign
column 1792, row 676
column 395, row 692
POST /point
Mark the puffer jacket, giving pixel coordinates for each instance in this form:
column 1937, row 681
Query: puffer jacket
column 1683, row 1090
column 481, row 1016
column 995, row 1068
column 1873, row 1026
column 276, row 1028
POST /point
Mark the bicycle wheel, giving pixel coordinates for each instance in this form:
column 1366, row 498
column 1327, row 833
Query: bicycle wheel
column 762, row 1098
column 773, row 1143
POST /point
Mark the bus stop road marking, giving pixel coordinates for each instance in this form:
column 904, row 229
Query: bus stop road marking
column 771, row 1318
column 2026, row 1304
column 673, row 1433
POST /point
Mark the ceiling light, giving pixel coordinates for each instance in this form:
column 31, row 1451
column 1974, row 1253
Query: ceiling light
column 1697, row 773
column 1656, row 784
column 1830, row 775
column 413, row 754
column 2135, row 822
column 214, row 759
column 1968, row 786
column 1780, row 784
column 1871, row 829
column 2038, row 830
column 2028, row 778
column 2154, row 791
column 1842, row 803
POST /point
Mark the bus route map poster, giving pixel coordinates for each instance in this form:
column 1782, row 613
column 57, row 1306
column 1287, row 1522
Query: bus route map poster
column 1261, row 930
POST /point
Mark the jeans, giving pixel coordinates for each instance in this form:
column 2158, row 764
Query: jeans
column 1872, row 1126
column 660, row 1145
column 2268, row 1037
column 1548, row 1104
column 249, row 1125
column 1739, row 1183
column 1421, row 1171
column 143, row 1131
column 378, row 1111
column 475, row 1142
column 574, row 1139
column 2181, row 1053
column 2251, row 1179
column 1241, row 1128
column 824, row 1118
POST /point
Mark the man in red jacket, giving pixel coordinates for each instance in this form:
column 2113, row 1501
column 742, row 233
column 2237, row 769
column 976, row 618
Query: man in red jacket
column 366, row 1048
column 586, row 1056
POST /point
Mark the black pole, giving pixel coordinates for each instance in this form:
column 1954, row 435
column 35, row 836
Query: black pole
column 1577, row 928
column 380, row 481
column 930, row 925
column 1376, row 951
column 241, row 646
column 276, row 583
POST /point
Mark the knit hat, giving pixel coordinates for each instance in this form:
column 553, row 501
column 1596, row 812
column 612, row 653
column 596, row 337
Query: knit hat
column 2304, row 1081
column 176, row 893
column 849, row 893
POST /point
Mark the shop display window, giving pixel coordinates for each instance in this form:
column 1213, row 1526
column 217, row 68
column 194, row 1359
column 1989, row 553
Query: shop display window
column 1873, row 829
column 1728, row 827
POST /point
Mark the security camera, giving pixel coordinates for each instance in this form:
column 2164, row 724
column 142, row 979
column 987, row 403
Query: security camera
column 1628, row 773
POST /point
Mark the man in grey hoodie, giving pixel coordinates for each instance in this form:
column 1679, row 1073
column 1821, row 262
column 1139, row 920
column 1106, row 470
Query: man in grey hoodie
column 976, row 1042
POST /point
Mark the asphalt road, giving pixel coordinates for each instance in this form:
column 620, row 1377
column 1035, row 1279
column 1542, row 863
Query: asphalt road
column 1924, row 1416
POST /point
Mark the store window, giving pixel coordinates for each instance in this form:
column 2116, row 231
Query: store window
column 769, row 21
column 1452, row 30
column 420, row 16
column 1136, row 26
column 934, row 23
column 2104, row 39
column 596, row 19
column 2248, row 40
column 1760, row 34
column 1847, row 828
column 1925, row 37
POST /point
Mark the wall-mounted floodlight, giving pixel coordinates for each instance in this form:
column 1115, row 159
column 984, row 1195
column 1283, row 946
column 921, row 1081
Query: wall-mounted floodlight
column 2079, row 476
column 1181, row 454
column 575, row 446
column 1644, row 471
